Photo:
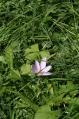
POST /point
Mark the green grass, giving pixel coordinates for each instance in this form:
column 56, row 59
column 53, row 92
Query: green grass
column 30, row 30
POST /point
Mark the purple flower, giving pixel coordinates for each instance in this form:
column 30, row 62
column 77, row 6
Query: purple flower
column 40, row 68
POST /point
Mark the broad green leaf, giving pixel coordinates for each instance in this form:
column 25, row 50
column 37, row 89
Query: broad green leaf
column 66, row 88
column 32, row 53
column 44, row 112
column 66, row 99
column 32, row 56
column 9, row 56
column 33, row 48
column 15, row 46
column 56, row 99
column 25, row 69
column 74, row 102
column 14, row 75
column 45, row 53
column 2, row 59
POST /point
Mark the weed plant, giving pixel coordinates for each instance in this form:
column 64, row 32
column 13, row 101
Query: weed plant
column 31, row 30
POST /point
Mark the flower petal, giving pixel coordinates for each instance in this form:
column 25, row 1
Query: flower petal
column 37, row 65
column 34, row 68
column 46, row 74
column 46, row 69
column 43, row 63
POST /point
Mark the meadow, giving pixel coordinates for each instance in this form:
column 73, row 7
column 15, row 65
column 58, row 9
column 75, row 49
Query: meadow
column 32, row 30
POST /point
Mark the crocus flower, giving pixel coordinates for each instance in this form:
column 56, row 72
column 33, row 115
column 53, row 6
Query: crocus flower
column 40, row 68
